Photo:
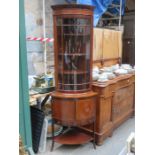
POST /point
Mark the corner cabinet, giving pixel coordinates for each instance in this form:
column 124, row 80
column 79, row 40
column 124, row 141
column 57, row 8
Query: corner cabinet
column 73, row 48
column 73, row 102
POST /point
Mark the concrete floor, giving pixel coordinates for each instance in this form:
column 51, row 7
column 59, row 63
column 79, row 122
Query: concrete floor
column 115, row 145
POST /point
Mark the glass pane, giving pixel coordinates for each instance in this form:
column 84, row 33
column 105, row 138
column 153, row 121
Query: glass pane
column 87, row 51
column 73, row 53
column 60, row 38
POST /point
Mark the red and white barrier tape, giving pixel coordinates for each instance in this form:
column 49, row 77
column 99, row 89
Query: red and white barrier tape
column 40, row 39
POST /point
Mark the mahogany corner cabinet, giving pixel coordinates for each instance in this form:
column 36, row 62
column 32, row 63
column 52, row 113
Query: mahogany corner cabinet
column 73, row 102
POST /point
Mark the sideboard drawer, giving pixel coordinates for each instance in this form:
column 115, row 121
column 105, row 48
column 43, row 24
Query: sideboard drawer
column 123, row 94
column 104, row 91
column 124, row 83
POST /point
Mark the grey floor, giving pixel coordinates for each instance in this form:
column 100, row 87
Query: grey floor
column 115, row 145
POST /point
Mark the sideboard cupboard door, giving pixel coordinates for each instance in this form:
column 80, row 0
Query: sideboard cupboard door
column 122, row 104
column 123, row 93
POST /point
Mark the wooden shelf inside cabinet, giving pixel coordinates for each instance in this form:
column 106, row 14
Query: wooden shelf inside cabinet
column 74, row 25
column 77, row 87
column 74, row 91
column 75, row 84
column 72, row 34
column 73, row 72
column 73, row 54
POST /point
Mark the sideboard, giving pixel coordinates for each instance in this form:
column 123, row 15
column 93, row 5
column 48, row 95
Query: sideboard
column 115, row 104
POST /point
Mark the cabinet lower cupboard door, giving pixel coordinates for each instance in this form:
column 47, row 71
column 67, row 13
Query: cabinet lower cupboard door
column 63, row 110
column 74, row 112
column 85, row 109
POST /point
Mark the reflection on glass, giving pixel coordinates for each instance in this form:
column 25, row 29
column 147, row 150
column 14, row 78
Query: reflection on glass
column 73, row 53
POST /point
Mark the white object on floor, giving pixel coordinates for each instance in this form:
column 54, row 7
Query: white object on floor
column 130, row 142
column 43, row 138
column 130, row 154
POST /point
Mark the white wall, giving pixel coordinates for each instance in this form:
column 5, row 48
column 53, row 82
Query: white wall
column 34, row 28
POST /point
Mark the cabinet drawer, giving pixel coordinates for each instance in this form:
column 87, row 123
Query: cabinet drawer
column 104, row 91
column 123, row 93
column 124, row 83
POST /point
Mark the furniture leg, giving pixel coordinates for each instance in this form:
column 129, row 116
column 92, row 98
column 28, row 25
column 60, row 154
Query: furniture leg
column 52, row 147
column 44, row 101
column 39, row 103
column 94, row 135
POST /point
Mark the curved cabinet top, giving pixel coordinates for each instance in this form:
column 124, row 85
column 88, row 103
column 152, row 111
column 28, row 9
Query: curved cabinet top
column 68, row 9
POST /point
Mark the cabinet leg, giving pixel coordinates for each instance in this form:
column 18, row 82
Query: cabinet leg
column 110, row 134
column 52, row 147
column 94, row 136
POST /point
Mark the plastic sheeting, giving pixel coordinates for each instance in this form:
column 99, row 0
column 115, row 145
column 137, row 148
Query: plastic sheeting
column 116, row 11
column 101, row 7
